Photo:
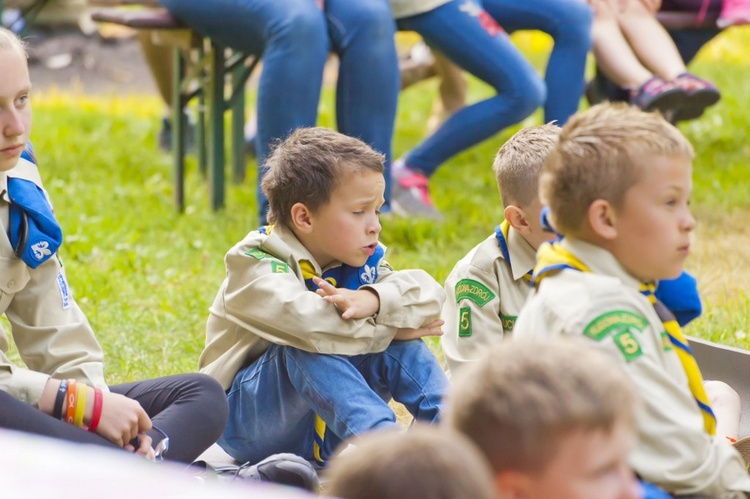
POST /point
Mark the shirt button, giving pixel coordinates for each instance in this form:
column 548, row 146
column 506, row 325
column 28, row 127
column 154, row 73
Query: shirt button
column 11, row 283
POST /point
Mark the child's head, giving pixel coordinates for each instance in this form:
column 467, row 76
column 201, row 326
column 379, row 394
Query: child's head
column 517, row 166
column 554, row 419
column 328, row 189
column 423, row 462
column 15, row 109
column 621, row 178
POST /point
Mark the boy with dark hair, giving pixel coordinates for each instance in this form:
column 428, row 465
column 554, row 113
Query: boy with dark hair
column 312, row 331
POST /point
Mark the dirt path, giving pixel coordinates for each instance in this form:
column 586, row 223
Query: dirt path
column 70, row 60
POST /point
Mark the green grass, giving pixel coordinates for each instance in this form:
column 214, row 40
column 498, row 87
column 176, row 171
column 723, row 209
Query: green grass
column 145, row 275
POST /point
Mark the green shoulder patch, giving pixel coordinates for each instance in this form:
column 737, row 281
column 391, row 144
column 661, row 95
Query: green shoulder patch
column 628, row 345
column 509, row 322
column 613, row 322
column 464, row 322
column 258, row 254
column 473, row 290
column 279, row 267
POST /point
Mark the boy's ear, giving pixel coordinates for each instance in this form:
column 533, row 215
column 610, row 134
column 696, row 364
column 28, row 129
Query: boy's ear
column 602, row 219
column 301, row 218
column 516, row 217
column 512, row 484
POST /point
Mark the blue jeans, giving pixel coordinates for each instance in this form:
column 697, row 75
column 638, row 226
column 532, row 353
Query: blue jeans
column 294, row 38
column 273, row 402
column 568, row 22
column 455, row 30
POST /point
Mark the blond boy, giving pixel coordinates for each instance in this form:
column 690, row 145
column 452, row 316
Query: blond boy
column 425, row 462
column 301, row 333
column 618, row 186
column 487, row 288
column 554, row 419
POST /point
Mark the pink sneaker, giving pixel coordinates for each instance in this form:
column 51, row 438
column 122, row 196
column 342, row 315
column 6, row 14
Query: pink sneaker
column 733, row 13
column 411, row 193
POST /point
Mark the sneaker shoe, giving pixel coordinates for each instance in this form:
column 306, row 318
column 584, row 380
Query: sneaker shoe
column 659, row 95
column 285, row 469
column 411, row 194
column 700, row 95
column 734, row 13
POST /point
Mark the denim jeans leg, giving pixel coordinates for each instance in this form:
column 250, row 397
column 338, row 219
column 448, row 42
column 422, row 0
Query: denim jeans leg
column 273, row 403
column 568, row 22
column 362, row 34
column 455, row 30
column 409, row 372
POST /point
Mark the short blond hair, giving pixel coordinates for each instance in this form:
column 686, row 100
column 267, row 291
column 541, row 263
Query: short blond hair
column 522, row 398
column 519, row 162
column 308, row 165
column 9, row 40
column 599, row 155
column 423, row 462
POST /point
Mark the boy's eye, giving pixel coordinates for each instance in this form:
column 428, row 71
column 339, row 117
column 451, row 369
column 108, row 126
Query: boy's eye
column 20, row 101
column 359, row 212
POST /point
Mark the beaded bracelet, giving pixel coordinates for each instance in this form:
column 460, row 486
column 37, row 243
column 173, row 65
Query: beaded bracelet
column 71, row 397
column 59, row 399
column 81, row 394
column 97, row 414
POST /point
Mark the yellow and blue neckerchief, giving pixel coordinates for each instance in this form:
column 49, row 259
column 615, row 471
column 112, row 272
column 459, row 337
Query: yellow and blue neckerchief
column 552, row 258
column 343, row 276
column 501, row 234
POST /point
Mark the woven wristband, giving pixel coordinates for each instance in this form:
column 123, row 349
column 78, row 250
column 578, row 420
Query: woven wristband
column 71, row 398
column 81, row 395
column 97, row 414
column 59, row 399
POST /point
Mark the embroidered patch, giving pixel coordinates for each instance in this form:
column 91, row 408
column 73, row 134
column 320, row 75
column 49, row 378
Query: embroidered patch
column 258, row 254
column 612, row 322
column 464, row 322
column 64, row 292
column 279, row 267
column 628, row 345
column 474, row 291
column 509, row 321
column 385, row 265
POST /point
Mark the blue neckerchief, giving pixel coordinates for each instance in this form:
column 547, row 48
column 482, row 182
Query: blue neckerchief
column 501, row 234
column 33, row 230
column 681, row 297
column 346, row 276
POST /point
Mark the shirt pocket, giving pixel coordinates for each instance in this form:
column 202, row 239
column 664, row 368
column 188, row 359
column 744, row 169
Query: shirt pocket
column 14, row 275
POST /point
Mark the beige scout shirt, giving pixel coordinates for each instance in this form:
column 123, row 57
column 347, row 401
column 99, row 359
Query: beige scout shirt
column 673, row 450
column 51, row 333
column 407, row 8
column 484, row 295
column 264, row 300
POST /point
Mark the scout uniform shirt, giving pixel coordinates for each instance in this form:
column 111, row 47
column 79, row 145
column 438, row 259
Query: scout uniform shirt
column 484, row 294
column 51, row 333
column 264, row 300
column 605, row 305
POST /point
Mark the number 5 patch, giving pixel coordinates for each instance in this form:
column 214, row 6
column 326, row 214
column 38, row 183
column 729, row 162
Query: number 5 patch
column 628, row 345
column 464, row 321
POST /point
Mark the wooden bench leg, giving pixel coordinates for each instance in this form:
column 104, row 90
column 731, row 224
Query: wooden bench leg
column 216, row 126
column 179, row 102
column 238, row 127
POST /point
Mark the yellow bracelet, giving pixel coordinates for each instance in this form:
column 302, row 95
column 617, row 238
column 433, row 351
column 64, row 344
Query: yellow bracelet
column 81, row 393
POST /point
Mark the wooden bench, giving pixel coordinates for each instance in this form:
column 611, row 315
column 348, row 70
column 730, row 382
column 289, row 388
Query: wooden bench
column 727, row 364
column 202, row 70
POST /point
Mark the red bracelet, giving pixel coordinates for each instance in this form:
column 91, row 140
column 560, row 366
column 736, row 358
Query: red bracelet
column 97, row 414
column 72, row 399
